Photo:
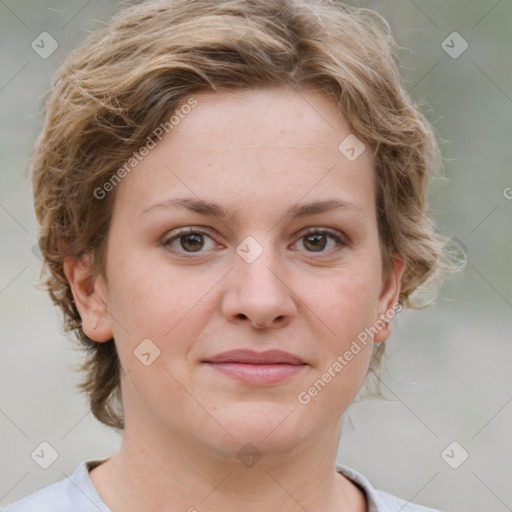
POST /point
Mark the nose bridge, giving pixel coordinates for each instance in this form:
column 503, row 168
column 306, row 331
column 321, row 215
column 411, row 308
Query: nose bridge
column 257, row 268
column 258, row 291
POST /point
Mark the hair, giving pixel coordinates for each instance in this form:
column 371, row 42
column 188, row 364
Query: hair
column 113, row 91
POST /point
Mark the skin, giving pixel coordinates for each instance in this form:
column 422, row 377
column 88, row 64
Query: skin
column 258, row 153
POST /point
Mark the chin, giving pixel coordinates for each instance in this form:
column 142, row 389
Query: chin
column 270, row 426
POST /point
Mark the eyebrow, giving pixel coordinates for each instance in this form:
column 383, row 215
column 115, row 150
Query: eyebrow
column 214, row 210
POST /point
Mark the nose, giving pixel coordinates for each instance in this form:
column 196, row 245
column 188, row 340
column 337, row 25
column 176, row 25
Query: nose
column 258, row 293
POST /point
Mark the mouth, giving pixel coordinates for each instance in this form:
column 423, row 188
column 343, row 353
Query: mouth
column 255, row 368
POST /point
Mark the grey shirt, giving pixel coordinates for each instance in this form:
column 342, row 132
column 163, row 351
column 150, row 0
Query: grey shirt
column 77, row 494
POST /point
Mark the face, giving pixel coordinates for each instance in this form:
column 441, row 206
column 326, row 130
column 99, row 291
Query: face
column 213, row 249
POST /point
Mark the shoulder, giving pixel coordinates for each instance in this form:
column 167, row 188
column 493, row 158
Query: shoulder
column 380, row 501
column 52, row 497
column 71, row 493
column 394, row 503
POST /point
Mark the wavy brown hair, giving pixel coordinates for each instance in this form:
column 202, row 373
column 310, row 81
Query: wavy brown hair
column 115, row 89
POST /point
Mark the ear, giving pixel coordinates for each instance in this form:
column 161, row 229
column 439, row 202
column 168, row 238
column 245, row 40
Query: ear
column 90, row 294
column 388, row 300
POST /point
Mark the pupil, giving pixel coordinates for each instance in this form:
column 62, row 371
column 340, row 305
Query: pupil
column 196, row 242
column 316, row 239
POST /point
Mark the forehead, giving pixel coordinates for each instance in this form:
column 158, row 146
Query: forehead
column 279, row 144
column 265, row 117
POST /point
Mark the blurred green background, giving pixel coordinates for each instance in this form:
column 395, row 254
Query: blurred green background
column 449, row 376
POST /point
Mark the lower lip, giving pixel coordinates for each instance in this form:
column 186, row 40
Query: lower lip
column 259, row 373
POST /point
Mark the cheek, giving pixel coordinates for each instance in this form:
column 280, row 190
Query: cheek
column 156, row 301
column 346, row 299
column 344, row 308
column 345, row 311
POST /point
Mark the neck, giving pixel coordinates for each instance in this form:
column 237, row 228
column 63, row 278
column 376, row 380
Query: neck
column 184, row 473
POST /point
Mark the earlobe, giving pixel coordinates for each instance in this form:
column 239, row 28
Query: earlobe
column 388, row 301
column 89, row 293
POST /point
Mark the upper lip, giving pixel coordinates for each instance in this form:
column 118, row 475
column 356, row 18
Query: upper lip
column 252, row 357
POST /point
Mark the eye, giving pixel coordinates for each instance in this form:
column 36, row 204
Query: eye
column 191, row 240
column 188, row 240
column 316, row 240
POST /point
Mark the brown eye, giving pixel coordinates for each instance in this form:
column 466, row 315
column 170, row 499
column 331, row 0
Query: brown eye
column 188, row 241
column 318, row 240
column 315, row 242
column 193, row 242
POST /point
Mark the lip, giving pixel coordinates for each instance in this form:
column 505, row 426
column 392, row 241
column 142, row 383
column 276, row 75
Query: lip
column 251, row 357
column 252, row 367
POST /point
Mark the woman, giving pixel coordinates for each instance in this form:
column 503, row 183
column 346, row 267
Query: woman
column 232, row 207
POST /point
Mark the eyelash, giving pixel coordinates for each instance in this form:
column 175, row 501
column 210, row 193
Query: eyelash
column 337, row 237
